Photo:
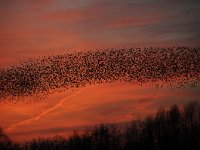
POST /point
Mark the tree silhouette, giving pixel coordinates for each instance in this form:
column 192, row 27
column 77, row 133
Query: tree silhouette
column 173, row 128
column 6, row 143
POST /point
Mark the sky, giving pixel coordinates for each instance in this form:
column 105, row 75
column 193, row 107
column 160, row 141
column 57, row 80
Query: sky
column 31, row 28
column 36, row 28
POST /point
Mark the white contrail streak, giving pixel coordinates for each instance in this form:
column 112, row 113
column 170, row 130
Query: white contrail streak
column 43, row 113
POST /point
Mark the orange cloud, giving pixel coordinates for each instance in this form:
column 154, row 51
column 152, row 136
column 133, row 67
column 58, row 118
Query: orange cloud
column 117, row 102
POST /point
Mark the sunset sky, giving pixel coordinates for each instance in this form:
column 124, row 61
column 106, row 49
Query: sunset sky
column 36, row 28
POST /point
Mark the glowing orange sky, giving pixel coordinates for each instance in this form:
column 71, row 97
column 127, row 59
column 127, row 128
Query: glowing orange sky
column 117, row 102
column 45, row 27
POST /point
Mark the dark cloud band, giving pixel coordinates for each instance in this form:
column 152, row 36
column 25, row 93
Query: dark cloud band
column 138, row 66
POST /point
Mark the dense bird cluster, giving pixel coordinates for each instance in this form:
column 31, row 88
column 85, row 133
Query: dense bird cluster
column 78, row 69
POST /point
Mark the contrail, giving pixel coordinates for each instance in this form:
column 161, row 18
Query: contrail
column 43, row 113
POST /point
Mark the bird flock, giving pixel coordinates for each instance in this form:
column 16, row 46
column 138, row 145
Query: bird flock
column 154, row 65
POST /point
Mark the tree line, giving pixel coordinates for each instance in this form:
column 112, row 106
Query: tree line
column 173, row 128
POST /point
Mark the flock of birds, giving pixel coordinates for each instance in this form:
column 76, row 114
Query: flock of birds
column 154, row 65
